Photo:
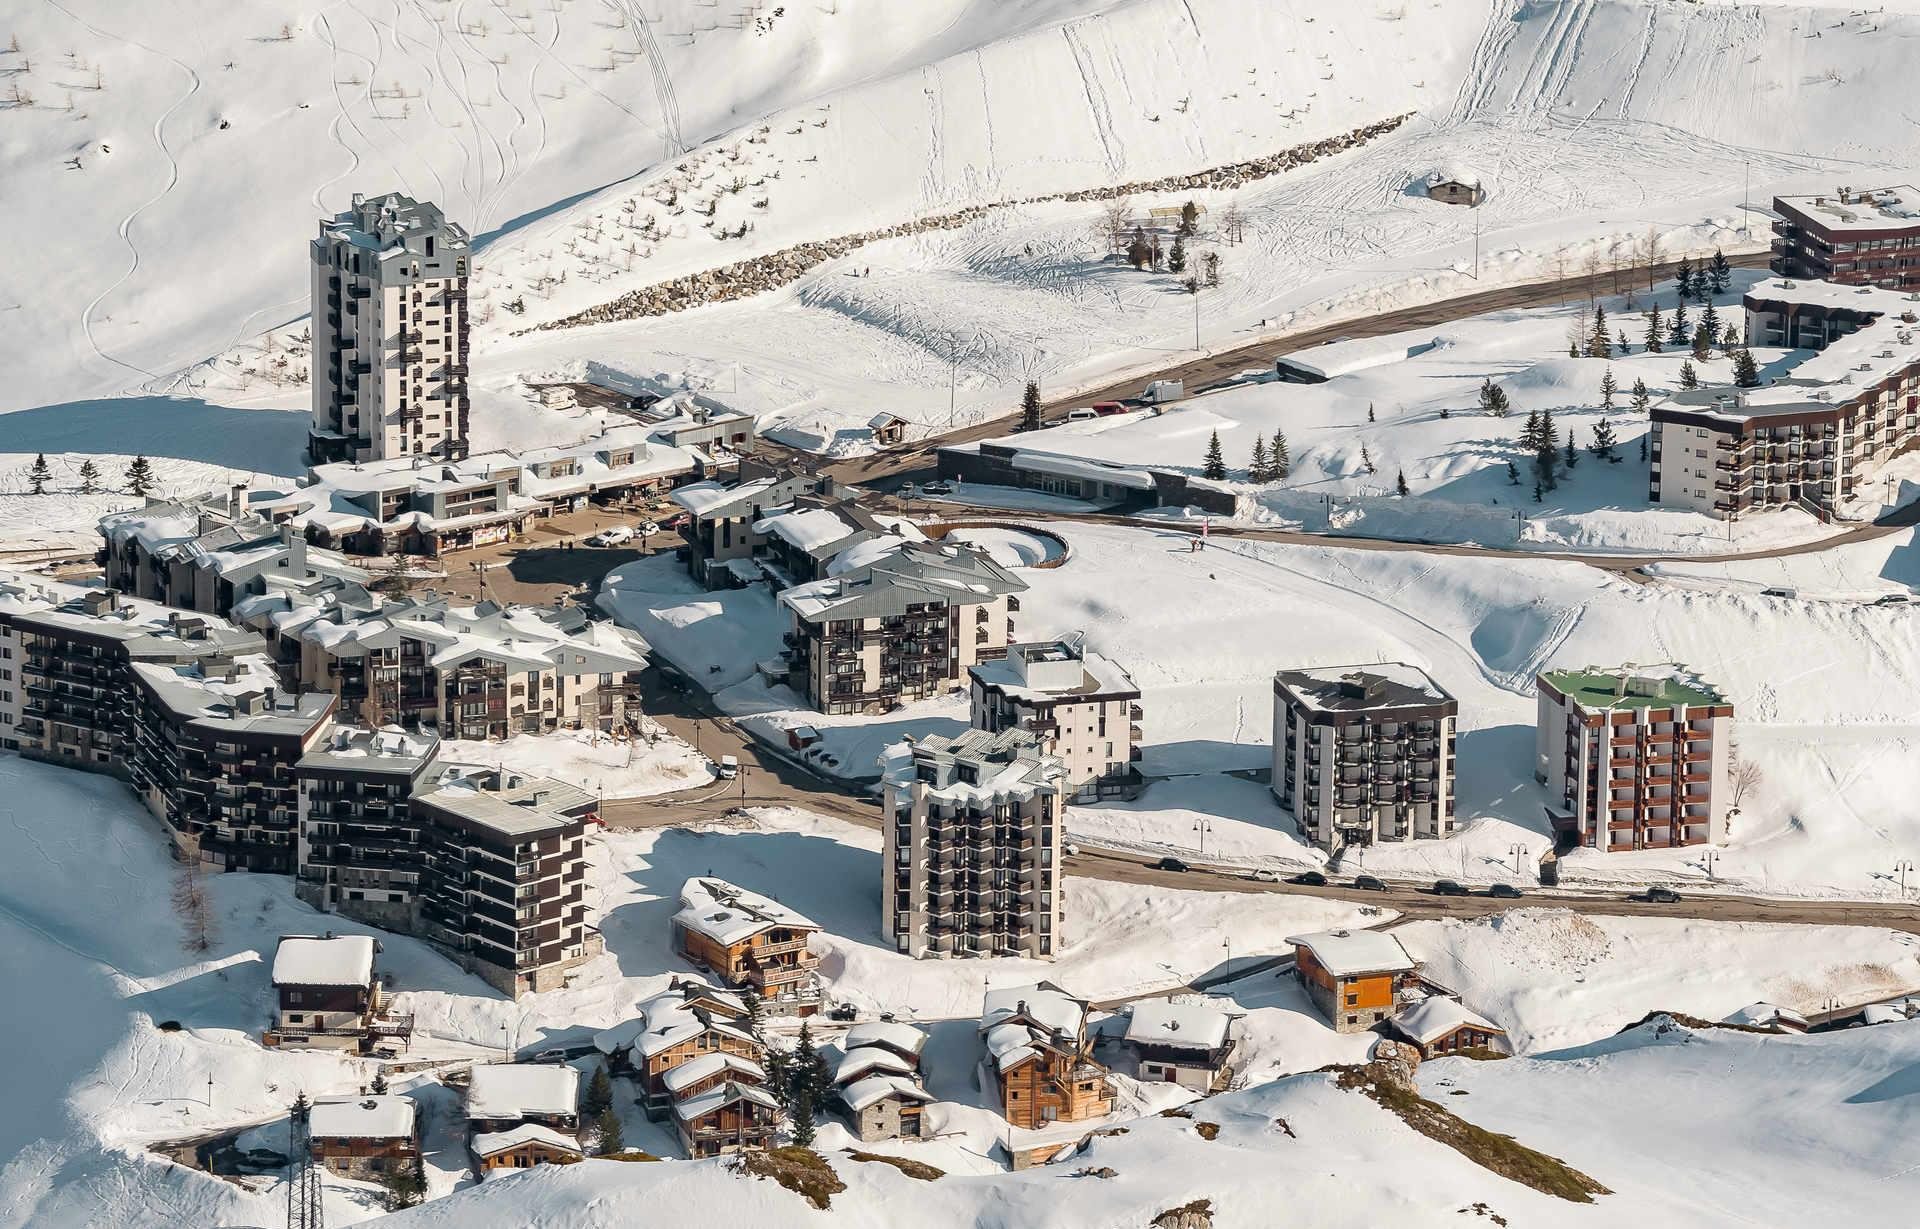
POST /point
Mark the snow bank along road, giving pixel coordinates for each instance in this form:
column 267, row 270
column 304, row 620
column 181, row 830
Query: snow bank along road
column 770, row 781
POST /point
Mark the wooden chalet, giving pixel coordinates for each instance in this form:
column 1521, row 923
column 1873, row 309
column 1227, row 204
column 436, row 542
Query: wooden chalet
column 1181, row 1043
column 522, row 1147
column 749, row 941
column 364, row 1137
column 327, row 997
column 1353, row 976
column 726, row 1118
column 1036, row 1039
column 1438, row 1026
column 687, row 1022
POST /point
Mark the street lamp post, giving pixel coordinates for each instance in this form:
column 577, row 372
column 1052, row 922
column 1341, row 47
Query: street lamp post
column 1202, row 827
column 1711, row 856
column 1518, row 851
column 1903, row 869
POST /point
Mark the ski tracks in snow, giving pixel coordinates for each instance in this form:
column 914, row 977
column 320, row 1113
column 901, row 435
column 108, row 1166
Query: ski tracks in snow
column 1097, row 106
column 173, row 180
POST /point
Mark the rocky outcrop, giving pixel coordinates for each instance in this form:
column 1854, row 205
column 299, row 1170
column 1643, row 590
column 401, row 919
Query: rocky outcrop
column 760, row 274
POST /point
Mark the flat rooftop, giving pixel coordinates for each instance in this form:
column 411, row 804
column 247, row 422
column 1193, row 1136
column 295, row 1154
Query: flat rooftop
column 1363, row 688
column 1864, row 209
column 1595, row 688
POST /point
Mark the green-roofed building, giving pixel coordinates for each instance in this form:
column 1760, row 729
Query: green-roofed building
column 1634, row 757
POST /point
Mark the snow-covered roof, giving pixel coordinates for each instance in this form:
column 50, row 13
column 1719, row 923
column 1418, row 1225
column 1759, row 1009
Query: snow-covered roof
column 904, row 1038
column 808, row 529
column 703, row 498
column 708, row 1065
column 860, row 1061
column 694, row 1108
column 493, row 1142
column 1187, row 1025
column 884, row 418
column 522, row 1090
column 384, row 1116
column 1043, row 1003
column 1873, row 209
column 876, row 1088
column 1051, row 671
column 1453, row 172
column 671, row 1017
column 330, row 960
column 1437, row 1016
column 729, row 914
column 1348, row 953
column 1006, row 766
column 1370, row 687
column 913, row 573
column 1341, row 358
column 1768, row 1015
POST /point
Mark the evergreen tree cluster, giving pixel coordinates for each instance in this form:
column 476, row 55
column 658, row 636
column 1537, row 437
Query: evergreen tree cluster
column 799, row 1081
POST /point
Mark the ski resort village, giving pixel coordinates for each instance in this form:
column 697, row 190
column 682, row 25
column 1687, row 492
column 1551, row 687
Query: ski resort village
column 1102, row 614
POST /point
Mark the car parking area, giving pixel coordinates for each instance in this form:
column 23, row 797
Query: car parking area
column 553, row 560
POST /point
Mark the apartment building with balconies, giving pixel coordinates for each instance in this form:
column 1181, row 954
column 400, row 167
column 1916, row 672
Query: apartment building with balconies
column 216, row 744
column 361, row 852
column 504, row 877
column 905, row 627
column 970, row 852
column 473, row 672
column 1815, row 436
column 1857, row 237
column 1634, row 758
column 1363, row 754
column 1083, row 708
column 390, row 333
column 726, row 521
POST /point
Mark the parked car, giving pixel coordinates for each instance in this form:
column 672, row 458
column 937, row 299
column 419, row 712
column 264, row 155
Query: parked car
column 1892, row 599
column 1779, row 591
column 1265, row 876
column 1170, row 864
column 844, row 1011
column 1106, row 408
column 1072, row 850
column 676, row 521
column 937, row 488
column 728, row 768
column 1083, row 414
column 1309, row 879
column 1447, row 887
column 1662, row 896
column 648, row 529
column 1367, row 883
column 614, row 535
column 1505, row 891
column 551, row 1056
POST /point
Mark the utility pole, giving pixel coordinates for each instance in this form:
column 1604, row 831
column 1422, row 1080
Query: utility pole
column 1746, row 193
column 1196, row 318
column 1476, row 241
column 953, row 376
column 304, row 1208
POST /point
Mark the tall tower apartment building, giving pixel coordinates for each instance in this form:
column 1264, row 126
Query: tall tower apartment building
column 389, row 333
column 970, row 853
column 1634, row 759
column 1364, row 753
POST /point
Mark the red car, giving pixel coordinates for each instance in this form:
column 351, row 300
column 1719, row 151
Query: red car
column 1106, row 408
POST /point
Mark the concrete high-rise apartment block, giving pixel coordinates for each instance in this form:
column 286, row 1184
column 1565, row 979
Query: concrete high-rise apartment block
column 1081, row 706
column 970, row 855
column 1364, row 753
column 1635, row 758
column 389, row 333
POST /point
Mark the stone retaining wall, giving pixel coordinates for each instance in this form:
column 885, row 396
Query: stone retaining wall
column 746, row 278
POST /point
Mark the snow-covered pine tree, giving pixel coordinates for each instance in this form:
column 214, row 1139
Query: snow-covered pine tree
column 1493, row 399
column 1603, row 442
column 1215, row 465
column 1279, row 460
column 1625, row 345
column 1710, row 321
column 1366, row 459
column 1746, row 373
column 1400, row 482
column 39, row 474
column 1257, row 463
column 1689, row 378
column 1607, row 389
column 1177, row 258
column 1683, row 279
column 1513, row 474
column 1369, row 411
column 1530, row 434
column 1600, row 343
column 1654, row 339
column 1702, row 342
column 1641, row 397
column 1681, row 334
column 89, row 477
column 1030, row 408
column 1720, row 273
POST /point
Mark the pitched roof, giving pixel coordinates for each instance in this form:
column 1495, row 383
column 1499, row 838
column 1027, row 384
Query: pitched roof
column 1348, row 953
column 710, row 1065
column 493, row 1142
column 903, row 1038
column 1189, row 1025
column 1433, row 1018
column 329, row 960
column 876, row 1088
column 729, row 914
column 726, row 1094
column 522, row 1090
column 862, row 1061
column 383, row 1116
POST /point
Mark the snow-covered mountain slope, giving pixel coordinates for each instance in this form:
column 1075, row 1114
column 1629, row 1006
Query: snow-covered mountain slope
column 165, row 162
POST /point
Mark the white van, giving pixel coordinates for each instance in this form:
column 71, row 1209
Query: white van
column 728, row 768
column 1082, row 414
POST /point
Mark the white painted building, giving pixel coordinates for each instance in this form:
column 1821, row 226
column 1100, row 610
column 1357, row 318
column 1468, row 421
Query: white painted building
column 389, row 333
column 1080, row 705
